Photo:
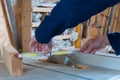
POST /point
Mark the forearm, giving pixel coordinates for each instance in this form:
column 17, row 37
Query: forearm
column 67, row 14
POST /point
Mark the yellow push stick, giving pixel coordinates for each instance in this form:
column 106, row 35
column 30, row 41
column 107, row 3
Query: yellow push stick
column 27, row 55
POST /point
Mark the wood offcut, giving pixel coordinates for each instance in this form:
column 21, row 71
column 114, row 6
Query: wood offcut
column 14, row 65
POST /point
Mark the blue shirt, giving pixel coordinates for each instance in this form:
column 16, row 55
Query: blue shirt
column 67, row 14
column 114, row 39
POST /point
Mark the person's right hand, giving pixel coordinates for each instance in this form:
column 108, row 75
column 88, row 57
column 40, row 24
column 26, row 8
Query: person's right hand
column 35, row 46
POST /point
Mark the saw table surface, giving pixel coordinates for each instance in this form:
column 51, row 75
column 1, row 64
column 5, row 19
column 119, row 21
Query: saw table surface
column 36, row 70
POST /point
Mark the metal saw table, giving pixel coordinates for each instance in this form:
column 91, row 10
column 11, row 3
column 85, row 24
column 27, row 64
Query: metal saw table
column 37, row 70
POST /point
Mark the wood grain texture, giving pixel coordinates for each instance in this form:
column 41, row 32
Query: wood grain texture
column 8, row 23
column 4, row 35
column 14, row 65
column 26, row 24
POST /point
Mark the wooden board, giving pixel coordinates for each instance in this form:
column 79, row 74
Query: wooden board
column 8, row 23
column 14, row 65
column 4, row 34
column 26, row 24
column 118, row 19
column 61, row 37
column 81, row 66
column 42, row 9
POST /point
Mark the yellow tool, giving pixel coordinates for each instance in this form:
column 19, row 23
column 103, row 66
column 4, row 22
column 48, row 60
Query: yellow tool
column 27, row 55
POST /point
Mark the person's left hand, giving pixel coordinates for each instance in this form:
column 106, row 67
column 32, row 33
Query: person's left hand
column 35, row 46
column 94, row 45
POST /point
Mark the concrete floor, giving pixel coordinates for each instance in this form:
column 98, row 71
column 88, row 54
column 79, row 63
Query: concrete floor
column 36, row 70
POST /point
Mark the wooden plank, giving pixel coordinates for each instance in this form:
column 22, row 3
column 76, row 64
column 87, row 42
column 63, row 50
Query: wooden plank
column 42, row 9
column 81, row 66
column 26, row 24
column 105, row 20
column 4, row 37
column 6, row 22
column 61, row 37
column 118, row 20
column 14, row 65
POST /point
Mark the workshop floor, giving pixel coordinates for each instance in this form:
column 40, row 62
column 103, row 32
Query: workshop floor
column 36, row 70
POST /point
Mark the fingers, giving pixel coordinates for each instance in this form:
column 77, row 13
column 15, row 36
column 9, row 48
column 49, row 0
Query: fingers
column 46, row 48
column 47, row 51
column 84, row 47
column 35, row 46
column 94, row 51
column 31, row 45
column 88, row 49
column 39, row 48
column 91, row 48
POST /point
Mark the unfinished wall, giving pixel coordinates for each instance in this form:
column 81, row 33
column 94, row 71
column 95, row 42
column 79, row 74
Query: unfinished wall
column 5, row 26
column 4, row 38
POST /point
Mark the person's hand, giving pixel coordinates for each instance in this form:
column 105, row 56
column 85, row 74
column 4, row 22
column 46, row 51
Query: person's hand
column 95, row 44
column 35, row 46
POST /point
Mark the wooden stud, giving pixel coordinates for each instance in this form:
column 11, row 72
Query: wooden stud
column 118, row 20
column 26, row 23
column 14, row 65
